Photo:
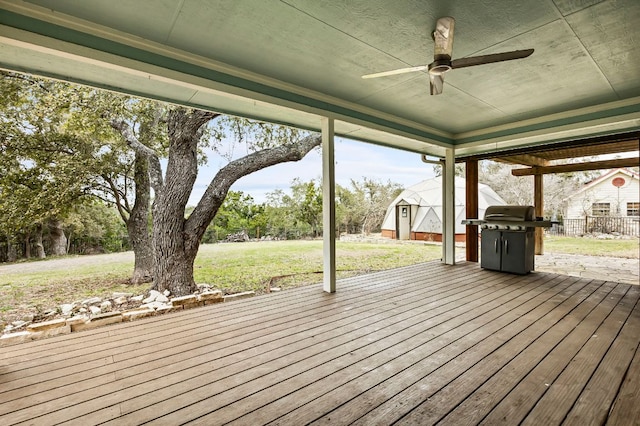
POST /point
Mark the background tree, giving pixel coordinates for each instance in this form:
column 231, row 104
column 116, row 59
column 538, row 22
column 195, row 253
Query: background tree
column 53, row 124
column 238, row 213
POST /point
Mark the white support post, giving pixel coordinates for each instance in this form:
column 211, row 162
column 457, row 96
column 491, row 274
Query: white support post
column 328, row 206
column 448, row 208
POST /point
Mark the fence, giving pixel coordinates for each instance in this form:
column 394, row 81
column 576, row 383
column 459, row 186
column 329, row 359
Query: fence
column 598, row 225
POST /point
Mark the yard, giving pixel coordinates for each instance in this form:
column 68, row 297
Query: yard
column 30, row 288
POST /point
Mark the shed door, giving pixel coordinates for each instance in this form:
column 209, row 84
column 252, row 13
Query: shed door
column 403, row 216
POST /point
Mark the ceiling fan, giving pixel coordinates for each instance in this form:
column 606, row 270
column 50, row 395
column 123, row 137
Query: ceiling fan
column 442, row 63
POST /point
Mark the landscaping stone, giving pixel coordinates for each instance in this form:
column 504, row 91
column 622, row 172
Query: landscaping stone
column 95, row 312
column 238, row 296
column 66, row 309
column 92, row 301
column 135, row 314
column 106, row 306
column 41, row 326
column 15, row 338
column 165, row 308
column 192, row 305
column 211, row 296
column 98, row 321
column 153, row 296
column 78, row 319
column 184, row 300
column 121, row 300
column 153, row 305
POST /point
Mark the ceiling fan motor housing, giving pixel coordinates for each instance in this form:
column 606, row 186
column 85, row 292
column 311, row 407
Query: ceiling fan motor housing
column 440, row 65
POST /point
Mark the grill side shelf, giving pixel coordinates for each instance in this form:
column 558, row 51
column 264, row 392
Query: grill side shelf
column 523, row 223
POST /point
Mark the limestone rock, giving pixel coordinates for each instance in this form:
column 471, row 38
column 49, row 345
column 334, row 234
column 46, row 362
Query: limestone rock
column 106, row 306
column 153, row 295
column 238, row 296
column 134, row 314
column 211, row 296
column 137, row 298
column 95, row 310
column 15, row 338
column 184, row 300
column 153, row 305
column 47, row 325
column 120, row 300
column 78, row 319
column 162, row 298
column 92, row 301
column 98, row 321
column 66, row 309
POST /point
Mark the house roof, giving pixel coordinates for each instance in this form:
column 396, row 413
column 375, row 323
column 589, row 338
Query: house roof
column 630, row 173
column 295, row 61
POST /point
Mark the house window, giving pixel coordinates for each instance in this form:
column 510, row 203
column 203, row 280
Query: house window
column 633, row 209
column 600, row 209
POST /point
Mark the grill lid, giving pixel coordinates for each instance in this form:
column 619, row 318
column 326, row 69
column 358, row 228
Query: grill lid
column 509, row 213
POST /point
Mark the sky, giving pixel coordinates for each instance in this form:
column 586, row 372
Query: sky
column 354, row 160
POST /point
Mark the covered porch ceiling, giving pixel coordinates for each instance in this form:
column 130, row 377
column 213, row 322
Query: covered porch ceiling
column 295, row 61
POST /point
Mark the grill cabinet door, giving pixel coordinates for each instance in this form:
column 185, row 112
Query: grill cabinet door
column 490, row 245
column 517, row 252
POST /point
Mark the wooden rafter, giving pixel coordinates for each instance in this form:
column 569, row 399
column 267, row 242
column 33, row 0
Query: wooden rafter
column 578, row 167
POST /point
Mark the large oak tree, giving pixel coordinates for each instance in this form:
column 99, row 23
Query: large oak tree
column 176, row 238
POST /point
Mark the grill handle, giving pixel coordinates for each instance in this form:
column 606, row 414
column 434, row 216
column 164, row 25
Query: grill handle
column 506, row 246
column 495, row 245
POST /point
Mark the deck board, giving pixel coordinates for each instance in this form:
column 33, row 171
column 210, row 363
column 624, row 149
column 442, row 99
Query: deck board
column 416, row 345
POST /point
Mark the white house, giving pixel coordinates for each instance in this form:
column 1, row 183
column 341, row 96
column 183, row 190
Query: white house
column 416, row 214
column 615, row 193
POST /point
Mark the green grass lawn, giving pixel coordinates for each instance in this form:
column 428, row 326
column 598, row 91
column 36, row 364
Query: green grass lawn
column 593, row 247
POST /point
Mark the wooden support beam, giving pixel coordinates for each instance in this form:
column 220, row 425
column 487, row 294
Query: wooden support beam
column 524, row 159
column 578, row 167
column 538, row 206
column 471, row 203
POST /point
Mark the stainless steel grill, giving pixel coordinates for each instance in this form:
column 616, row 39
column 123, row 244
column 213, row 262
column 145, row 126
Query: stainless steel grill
column 507, row 243
column 507, row 238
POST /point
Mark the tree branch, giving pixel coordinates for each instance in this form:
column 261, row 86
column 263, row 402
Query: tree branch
column 215, row 194
column 155, row 171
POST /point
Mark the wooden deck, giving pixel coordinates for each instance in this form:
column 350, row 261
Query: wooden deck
column 418, row 345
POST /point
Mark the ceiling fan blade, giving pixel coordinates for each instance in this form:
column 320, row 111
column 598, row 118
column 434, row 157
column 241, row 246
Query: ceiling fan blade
column 436, row 82
column 443, row 37
column 488, row 59
column 398, row 71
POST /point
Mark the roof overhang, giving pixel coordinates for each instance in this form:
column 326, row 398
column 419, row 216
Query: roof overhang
column 60, row 45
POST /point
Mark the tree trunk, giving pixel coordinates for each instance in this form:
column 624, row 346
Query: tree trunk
column 138, row 224
column 58, row 239
column 39, row 246
column 27, row 245
column 173, row 250
column 12, row 252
